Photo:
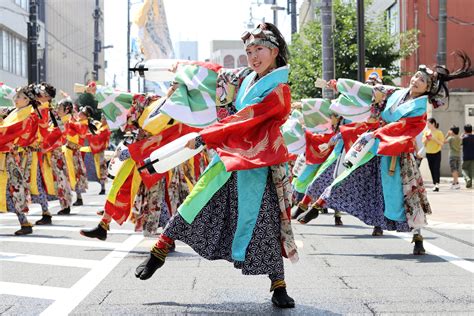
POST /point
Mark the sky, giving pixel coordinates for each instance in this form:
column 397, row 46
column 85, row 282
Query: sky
column 188, row 20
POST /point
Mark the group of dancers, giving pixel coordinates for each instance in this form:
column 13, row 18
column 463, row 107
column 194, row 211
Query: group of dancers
column 233, row 201
column 40, row 159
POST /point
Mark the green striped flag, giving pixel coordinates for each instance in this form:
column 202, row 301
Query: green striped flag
column 194, row 102
column 317, row 115
column 6, row 95
column 355, row 100
column 293, row 133
column 114, row 104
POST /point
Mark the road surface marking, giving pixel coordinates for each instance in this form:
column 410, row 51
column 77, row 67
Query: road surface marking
column 30, row 290
column 71, row 229
column 61, row 241
column 66, row 302
column 49, row 260
column 434, row 250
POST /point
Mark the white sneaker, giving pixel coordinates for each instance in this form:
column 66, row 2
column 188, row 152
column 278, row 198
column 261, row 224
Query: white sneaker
column 455, row 186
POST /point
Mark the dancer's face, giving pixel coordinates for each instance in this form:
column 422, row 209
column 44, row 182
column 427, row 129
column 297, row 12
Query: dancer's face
column 418, row 84
column 21, row 100
column 261, row 58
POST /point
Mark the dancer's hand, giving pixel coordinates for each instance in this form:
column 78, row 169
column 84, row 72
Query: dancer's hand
column 191, row 144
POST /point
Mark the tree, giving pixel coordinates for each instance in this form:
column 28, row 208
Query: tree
column 382, row 50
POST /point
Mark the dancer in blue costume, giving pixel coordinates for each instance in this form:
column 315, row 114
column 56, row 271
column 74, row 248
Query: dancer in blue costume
column 242, row 216
column 385, row 187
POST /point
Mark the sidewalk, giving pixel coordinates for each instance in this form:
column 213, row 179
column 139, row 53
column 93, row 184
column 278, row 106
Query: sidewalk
column 450, row 206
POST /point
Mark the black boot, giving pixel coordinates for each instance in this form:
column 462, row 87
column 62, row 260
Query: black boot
column 324, row 210
column 338, row 221
column 102, row 192
column 377, row 231
column 24, row 230
column 65, row 211
column 309, row 215
column 78, row 203
column 418, row 249
column 45, row 220
column 300, row 210
column 281, row 299
column 99, row 232
column 146, row 269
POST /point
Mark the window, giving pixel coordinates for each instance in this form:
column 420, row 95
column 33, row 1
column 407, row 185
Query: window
column 22, row 3
column 229, row 61
column 242, row 61
column 393, row 23
column 13, row 53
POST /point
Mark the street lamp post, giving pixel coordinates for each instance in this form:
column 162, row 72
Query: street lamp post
column 33, row 43
column 275, row 9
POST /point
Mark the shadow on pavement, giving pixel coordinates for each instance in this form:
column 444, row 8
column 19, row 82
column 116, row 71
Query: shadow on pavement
column 241, row 308
column 401, row 257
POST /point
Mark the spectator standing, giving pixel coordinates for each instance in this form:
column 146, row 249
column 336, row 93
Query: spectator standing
column 468, row 155
column 454, row 141
column 433, row 139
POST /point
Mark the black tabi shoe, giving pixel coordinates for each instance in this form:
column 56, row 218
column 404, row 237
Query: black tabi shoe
column 24, row 230
column 45, row 220
column 418, row 249
column 300, row 210
column 65, row 211
column 338, row 221
column 100, row 213
column 324, row 210
column 148, row 267
column 378, row 231
column 99, row 232
column 102, row 192
column 281, row 299
column 78, row 203
column 308, row 216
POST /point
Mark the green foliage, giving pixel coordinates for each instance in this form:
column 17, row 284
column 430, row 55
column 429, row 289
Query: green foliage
column 382, row 50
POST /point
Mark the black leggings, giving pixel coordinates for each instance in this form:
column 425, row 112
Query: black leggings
column 434, row 161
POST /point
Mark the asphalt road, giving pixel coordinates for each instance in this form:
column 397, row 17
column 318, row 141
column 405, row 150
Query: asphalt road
column 342, row 270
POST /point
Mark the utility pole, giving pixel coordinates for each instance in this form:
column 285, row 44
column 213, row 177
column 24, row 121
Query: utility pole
column 442, row 17
column 292, row 10
column 128, row 45
column 33, row 43
column 97, row 42
column 328, row 45
column 360, row 41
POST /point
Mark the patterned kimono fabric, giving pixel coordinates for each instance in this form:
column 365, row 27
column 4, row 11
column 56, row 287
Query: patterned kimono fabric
column 19, row 125
column 16, row 188
column 238, row 216
column 62, row 186
column 31, row 157
column 96, row 164
column 75, row 134
column 386, row 189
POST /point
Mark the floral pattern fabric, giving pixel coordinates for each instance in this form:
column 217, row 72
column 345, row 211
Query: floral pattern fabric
column 17, row 201
column 61, row 178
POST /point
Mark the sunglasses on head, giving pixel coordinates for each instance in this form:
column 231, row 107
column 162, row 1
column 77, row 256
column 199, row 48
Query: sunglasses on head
column 256, row 33
column 425, row 69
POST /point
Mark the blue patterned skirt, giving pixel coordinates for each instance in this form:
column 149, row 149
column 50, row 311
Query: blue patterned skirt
column 361, row 195
column 212, row 231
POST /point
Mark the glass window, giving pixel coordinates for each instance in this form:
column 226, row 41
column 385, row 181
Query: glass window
column 6, row 51
column 393, row 19
column 1, row 49
column 23, row 59
column 242, row 61
column 229, row 61
column 18, row 56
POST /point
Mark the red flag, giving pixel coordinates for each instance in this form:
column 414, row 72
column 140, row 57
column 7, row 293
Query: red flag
column 316, row 151
column 399, row 137
column 251, row 138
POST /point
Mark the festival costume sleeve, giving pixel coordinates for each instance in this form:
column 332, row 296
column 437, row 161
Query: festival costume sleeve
column 399, row 137
column 141, row 150
column 251, row 138
column 317, row 147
